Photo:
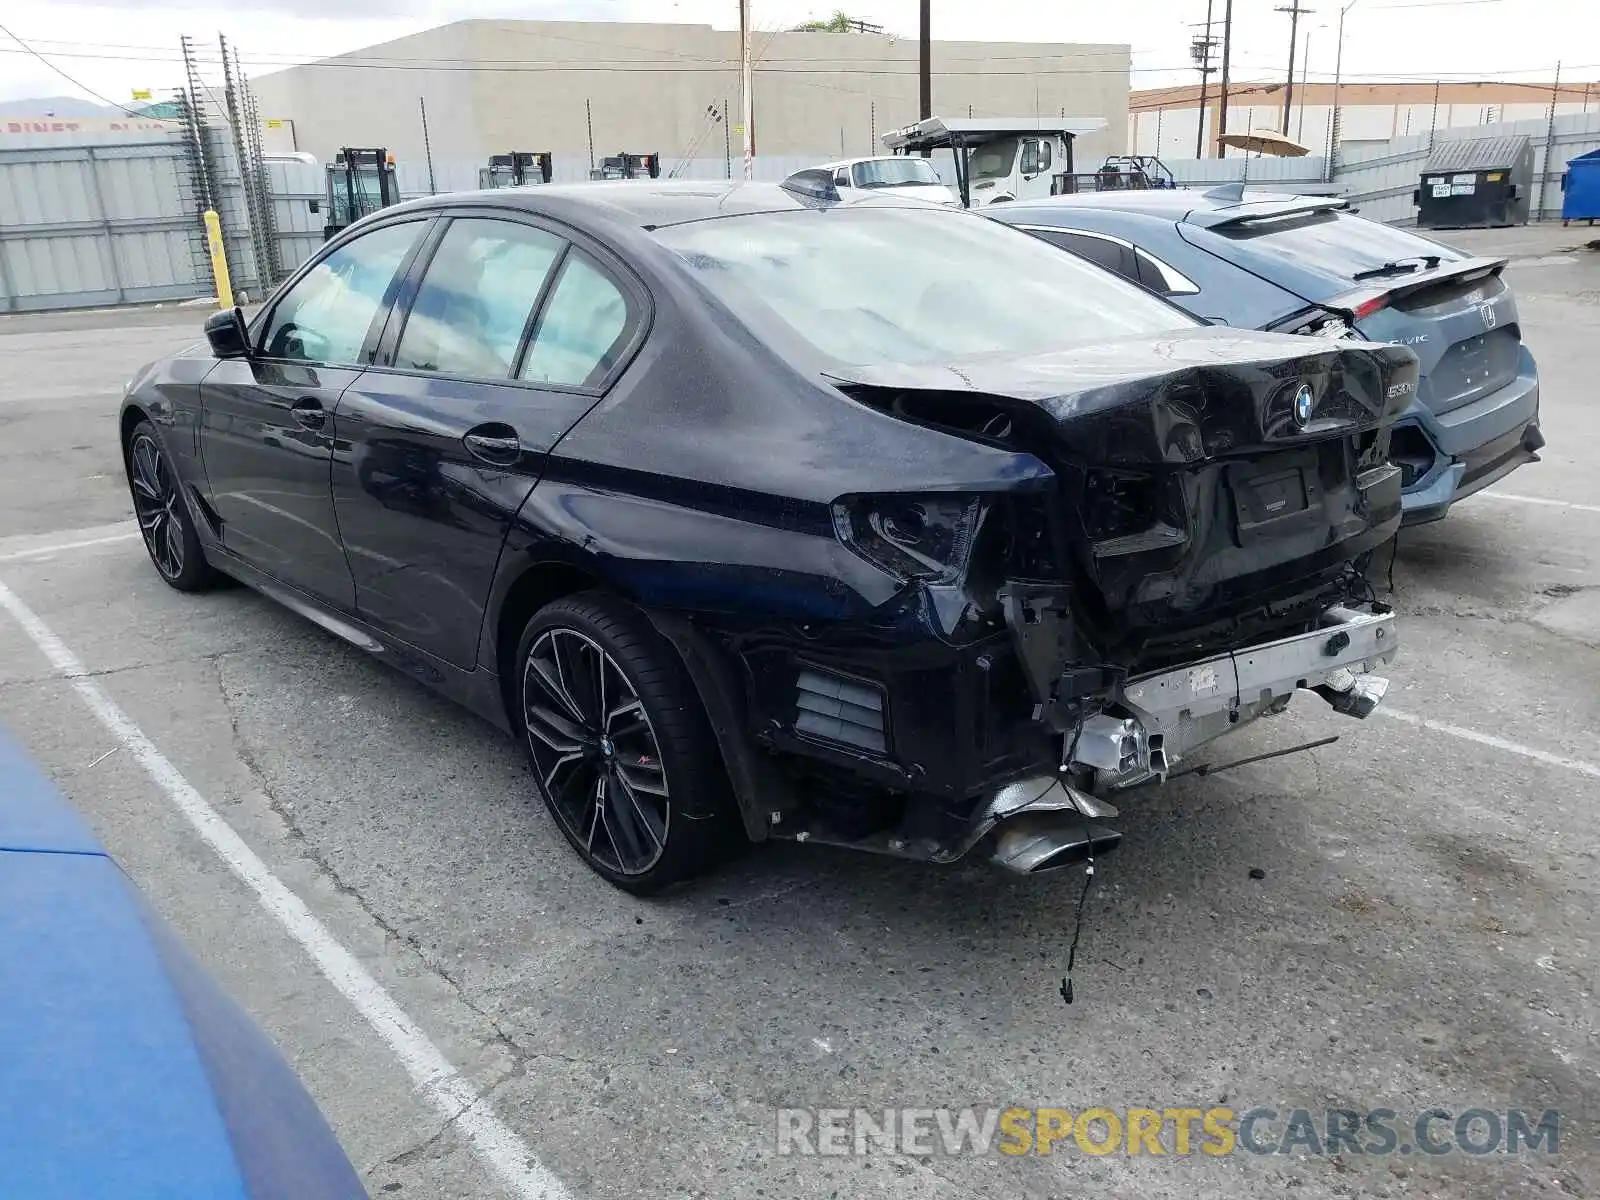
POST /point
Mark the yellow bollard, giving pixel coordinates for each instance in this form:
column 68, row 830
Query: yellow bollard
column 219, row 258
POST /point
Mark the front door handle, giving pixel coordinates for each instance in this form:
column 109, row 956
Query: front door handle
column 308, row 413
column 494, row 443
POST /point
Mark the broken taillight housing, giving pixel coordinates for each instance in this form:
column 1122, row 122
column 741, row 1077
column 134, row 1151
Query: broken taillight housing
column 926, row 537
column 1318, row 322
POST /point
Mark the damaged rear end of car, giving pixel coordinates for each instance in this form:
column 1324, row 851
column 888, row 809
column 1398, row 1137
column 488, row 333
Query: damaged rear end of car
column 1186, row 565
column 1167, row 547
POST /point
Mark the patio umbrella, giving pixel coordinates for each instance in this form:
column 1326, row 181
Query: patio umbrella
column 1264, row 141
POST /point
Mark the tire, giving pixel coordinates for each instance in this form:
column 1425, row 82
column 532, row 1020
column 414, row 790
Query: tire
column 164, row 519
column 619, row 785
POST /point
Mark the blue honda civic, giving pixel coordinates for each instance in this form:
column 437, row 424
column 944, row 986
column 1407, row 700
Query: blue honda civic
column 1310, row 265
column 126, row 1072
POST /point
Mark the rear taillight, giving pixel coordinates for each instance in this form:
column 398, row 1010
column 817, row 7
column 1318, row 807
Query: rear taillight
column 1367, row 307
column 926, row 537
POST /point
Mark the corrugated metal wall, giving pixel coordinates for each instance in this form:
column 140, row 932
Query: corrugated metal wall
column 97, row 224
column 1380, row 179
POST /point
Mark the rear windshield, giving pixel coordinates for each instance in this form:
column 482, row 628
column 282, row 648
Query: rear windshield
column 862, row 284
column 1326, row 248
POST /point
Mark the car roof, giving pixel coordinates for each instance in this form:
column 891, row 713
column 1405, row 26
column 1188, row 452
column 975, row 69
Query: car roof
column 1225, row 204
column 639, row 203
column 850, row 162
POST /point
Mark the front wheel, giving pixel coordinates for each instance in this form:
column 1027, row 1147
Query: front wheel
column 164, row 520
column 621, row 749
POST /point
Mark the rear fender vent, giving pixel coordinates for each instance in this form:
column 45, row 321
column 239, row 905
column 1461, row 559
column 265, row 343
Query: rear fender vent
column 846, row 712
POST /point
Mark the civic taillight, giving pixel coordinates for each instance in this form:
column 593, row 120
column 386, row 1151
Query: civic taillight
column 927, row 537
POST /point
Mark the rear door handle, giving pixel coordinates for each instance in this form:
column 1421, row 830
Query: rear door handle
column 494, row 443
column 308, row 413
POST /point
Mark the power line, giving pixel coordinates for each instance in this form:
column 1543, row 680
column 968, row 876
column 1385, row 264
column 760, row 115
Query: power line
column 82, row 88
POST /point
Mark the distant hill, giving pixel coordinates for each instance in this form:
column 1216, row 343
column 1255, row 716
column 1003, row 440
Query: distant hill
column 59, row 106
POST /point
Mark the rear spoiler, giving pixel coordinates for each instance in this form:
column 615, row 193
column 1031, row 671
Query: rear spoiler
column 1249, row 211
column 1380, row 293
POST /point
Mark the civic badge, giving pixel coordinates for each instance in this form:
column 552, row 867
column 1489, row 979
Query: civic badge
column 1304, row 402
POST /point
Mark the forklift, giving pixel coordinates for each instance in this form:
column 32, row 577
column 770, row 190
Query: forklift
column 628, row 166
column 358, row 182
column 520, row 168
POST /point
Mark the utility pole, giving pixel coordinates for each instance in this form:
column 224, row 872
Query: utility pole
column 1294, row 10
column 925, row 51
column 1200, row 50
column 925, row 66
column 1305, row 90
column 747, row 107
column 1338, row 81
column 1227, row 51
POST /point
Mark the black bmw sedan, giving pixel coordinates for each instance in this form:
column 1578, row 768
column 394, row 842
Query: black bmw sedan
column 751, row 514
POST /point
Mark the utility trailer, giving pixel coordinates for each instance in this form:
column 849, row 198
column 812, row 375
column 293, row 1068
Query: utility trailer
column 998, row 159
column 520, row 168
column 358, row 182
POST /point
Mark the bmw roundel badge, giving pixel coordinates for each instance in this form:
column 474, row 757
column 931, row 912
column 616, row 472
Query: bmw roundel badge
column 1304, row 402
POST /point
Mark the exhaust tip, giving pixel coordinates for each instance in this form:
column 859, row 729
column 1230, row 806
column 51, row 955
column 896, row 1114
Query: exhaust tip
column 1032, row 845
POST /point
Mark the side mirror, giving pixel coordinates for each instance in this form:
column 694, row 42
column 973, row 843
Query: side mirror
column 226, row 332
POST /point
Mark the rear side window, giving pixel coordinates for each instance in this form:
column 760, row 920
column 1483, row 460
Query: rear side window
column 585, row 326
column 476, row 297
column 326, row 315
column 1107, row 254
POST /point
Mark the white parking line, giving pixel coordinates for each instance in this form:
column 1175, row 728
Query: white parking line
column 1593, row 508
column 57, row 547
column 436, row 1078
column 1490, row 740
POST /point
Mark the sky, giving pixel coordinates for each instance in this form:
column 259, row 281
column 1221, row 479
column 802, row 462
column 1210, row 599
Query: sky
column 112, row 49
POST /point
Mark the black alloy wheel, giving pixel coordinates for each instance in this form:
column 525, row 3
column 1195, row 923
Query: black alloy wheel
column 164, row 520
column 619, row 743
column 595, row 751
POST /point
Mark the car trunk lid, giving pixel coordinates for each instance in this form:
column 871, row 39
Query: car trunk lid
column 1196, row 482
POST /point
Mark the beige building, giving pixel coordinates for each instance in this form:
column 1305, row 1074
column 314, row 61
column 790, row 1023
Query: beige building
column 495, row 86
column 1165, row 121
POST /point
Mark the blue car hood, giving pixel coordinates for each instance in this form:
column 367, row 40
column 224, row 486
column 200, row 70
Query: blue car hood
column 125, row 1070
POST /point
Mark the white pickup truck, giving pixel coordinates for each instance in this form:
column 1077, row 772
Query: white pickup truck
column 1000, row 158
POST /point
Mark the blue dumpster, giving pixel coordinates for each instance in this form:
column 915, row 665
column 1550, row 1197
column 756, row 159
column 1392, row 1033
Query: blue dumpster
column 1580, row 188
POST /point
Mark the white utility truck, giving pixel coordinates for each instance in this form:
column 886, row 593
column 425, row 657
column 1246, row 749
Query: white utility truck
column 1000, row 158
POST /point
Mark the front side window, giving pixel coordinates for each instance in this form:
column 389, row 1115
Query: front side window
column 325, row 317
column 1044, row 155
column 583, row 329
column 862, row 284
column 1030, row 157
column 476, row 297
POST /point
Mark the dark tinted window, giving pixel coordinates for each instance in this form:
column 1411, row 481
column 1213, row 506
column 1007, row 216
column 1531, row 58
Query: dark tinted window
column 902, row 285
column 1150, row 274
column 583, row 329
column 476, row 298
column 1097, row 250
column 325, row 317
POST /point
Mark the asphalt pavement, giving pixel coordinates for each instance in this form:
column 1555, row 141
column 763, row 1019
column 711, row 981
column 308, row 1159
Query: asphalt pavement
column 1403, row 920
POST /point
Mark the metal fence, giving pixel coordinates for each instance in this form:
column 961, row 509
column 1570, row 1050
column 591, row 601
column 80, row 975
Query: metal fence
column 118, row 222
column 88, row 225
column 1380, row 179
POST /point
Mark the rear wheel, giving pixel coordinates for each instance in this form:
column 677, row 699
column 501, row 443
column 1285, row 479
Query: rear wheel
column 164, row 520
column 619, row 743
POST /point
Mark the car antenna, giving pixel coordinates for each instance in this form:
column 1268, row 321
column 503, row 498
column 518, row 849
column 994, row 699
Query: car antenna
column 1233, row 192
